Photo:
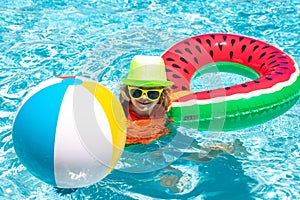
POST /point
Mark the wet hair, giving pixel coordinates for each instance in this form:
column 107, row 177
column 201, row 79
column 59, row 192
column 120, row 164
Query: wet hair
column 164, row 99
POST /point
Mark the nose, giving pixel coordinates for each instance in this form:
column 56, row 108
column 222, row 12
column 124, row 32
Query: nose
column 144, row 96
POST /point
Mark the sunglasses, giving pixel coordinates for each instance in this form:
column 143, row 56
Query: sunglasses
column 151, row 94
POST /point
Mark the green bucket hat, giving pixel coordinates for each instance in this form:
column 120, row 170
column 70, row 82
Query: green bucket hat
column 147, row 71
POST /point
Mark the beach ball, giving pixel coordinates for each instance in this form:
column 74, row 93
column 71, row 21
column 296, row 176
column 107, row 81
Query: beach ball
column 69, row 132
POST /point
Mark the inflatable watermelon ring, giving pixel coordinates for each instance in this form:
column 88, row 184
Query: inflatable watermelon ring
column 274, row 87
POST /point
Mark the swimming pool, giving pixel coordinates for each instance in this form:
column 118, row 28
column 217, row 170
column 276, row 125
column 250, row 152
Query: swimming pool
column 97, row 39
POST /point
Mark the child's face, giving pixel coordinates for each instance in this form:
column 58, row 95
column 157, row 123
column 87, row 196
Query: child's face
column 144, row 98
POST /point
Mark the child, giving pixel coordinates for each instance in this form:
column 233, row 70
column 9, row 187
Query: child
column 146, row 97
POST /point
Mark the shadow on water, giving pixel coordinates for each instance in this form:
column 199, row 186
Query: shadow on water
column 219, row 178
column 64, row 191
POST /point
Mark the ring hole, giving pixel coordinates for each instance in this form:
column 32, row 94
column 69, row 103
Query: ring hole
column 216, row 80
column 221, row 75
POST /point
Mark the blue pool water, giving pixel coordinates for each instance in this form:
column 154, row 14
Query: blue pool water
column 97, row 39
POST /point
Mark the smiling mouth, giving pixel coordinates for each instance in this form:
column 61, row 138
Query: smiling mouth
column 144, row 103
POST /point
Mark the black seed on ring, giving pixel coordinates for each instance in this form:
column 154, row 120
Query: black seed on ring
column 274, row 61
column 262, row 66
column 271, row 57
column 183, row 60
column 244, row 85
column 220, row 46
column 208, row 42
column 243, row 48
column 212, row 36
column 174, row 87
column 186, row 71
column 282, row 57
column 275, row 52
column 269, row 79
column 252, row 41
column 178, row 51
column 175, row 76
column 227, row 88
column 278, row 72
column 249, row 58
column 276, row 65
column 284, row 67
column 187, row 43
column 224, row 37
column 255, row 48
column 183, row 88
column 265, row 47
column 262, row 55
column 176, row 66
column 231, row 54
column 199, row 40
column 232, row 42
column 241, row 38
column 208, row 91
column 196, row 60
column 188, row 50
column 211, row 53
column 256, row 81
column 198, row 48
column 170, row 59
